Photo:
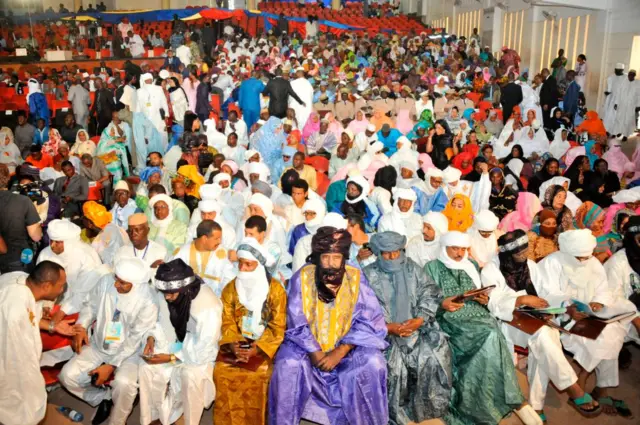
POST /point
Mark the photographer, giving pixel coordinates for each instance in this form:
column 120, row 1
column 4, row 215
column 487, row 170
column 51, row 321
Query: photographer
column 19, row 226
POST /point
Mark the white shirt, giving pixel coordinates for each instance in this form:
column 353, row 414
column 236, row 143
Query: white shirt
column 218, row 271
column 152, row 253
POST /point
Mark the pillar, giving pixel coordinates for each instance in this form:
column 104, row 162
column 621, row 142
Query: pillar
column 166, row 4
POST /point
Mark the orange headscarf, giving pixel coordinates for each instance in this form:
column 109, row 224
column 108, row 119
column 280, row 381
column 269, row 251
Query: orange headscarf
column 459, row 220
column 379, row 119
column 592, row 124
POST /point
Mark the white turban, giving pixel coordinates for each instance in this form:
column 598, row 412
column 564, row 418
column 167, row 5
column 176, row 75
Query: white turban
column 409, row 166
column 221, row 177
column 316, row 206
column 208, row 206
column 626, row 195
column 251, row 152
column 253, row 286
column 438, row 221
column 460, row 240
column 371, row 127
column 121, row 185
column 406, row 194
column 486, row 221
column 63, row 230
column 363, row 183
column 334, row 220
column 451, row 175
column 263, row 202
column 455, row 238
column 577, row 243
column 259, row 168
column 132, row 270
column 161, row 197
column 209, row 191
column 619, row 65
column 435, row 172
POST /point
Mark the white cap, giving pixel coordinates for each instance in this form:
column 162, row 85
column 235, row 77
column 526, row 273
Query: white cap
column 619, row 65
column 164, row 74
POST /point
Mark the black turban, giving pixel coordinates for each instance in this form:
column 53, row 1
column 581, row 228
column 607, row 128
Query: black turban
column 177, row 276
column 329, row 240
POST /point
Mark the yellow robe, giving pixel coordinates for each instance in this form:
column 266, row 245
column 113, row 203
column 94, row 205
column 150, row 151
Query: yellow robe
column 241, row 395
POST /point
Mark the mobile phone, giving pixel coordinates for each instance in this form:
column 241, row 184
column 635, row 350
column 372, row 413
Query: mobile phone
column 366, row 246
column 245, row 345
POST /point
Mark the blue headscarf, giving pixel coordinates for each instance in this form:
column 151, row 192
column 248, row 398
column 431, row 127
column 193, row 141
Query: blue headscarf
column 269, row 141
column 591, row 155
column 148, row 172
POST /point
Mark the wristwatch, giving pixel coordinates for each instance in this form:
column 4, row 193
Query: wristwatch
column 173, row 359
column 52, row 326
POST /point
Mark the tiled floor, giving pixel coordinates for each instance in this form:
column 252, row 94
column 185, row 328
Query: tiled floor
column 557, row 410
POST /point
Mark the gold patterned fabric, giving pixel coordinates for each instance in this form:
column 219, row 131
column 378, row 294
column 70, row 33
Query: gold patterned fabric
column 329, row 323
column 241, row 394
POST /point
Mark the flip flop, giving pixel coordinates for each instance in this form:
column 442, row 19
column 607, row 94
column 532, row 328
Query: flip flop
column 579, row 402
column 620, row 406
column 543, row 417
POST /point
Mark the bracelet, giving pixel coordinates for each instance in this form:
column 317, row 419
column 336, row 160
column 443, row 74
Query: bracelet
column 52, row 326
column 173, row 359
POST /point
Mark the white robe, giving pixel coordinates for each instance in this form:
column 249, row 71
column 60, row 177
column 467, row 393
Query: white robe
column 407, row 224
column 421, row 251
column 627, row 98
column 608, row 113
column 530, row 100
column 216, row 273
column 562, row 277
column 382, row 198
column 77, row 259
column 138, row 315
column 304, row 90
column 151, row 99
column 546, row 360
column 136, row 46
column 242, row 133
column 478, row 192
column 24, row 398
column 539, row 144
column 619, row 275
column 190, row 382
column 10, row 156
column 152, row 253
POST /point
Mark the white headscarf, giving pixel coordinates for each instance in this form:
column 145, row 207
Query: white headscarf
column 538, row 144
column 63, row 230
column 34, row 87
column 208, row 206
column 263, row 202
column 406, row 194
column 484, row 249
column 261, row 169
column 209, row 191
column 440, row 226
column 253, row 287
column 432, row 172
column 461, row 240
column 363, row 183
column 164, row 223
column 319, row 208
column 135, row 271
column 558, row 146
column 515, row 165
column 579, row 274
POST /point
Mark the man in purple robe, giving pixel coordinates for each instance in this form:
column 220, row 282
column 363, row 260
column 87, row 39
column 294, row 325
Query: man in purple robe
column 330, row 368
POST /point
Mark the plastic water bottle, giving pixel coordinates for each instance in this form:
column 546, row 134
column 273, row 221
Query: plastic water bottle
column 73, row 415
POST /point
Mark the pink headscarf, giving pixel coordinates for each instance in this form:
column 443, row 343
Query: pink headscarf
column 527, row 206
column 404, row 123
column 486, row 74
column 231, row 164
column 572, row 154
column 358, row 126
column 617, row 160
column 334, row 126
column 311, row 127
column 425, row 162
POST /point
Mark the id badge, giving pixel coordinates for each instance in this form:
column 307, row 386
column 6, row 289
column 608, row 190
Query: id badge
column 114, row 333
column 251, row 326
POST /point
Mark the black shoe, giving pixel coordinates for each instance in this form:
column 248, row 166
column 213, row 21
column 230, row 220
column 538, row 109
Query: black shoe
column 102, row 412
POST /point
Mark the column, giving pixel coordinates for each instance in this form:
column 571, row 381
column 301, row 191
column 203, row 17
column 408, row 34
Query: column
column 496, row 41
column 166, row 4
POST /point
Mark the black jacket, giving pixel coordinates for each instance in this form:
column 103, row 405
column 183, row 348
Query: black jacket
column 103, row 104
column 174, row 66
column 511, row 95
column 279, row 90
column 549, row 93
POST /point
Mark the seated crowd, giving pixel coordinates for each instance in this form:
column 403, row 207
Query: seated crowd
column 306, row 249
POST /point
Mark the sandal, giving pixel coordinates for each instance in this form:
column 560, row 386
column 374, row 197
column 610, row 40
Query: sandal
column 543, row 417
column 621, row 407
column 579, row 402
